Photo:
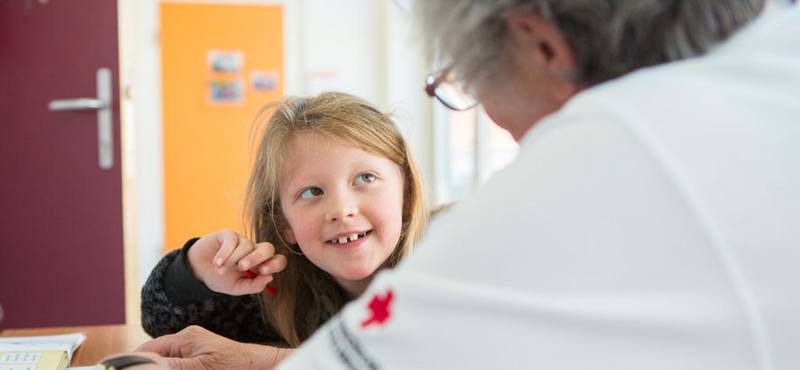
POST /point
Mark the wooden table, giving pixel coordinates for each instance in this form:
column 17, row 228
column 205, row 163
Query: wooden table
column 101, row 341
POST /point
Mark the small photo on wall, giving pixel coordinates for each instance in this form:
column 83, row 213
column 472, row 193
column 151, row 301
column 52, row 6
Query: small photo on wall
column 264, row 81
column 226, row 92
column 225, row 61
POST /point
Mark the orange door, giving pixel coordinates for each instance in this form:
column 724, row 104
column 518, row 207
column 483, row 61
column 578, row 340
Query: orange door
column 220, row 64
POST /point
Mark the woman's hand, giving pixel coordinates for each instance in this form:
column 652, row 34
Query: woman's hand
column 195, row 348
column 219, row 260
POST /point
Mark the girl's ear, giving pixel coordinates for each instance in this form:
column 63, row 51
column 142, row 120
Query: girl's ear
column 288, row 234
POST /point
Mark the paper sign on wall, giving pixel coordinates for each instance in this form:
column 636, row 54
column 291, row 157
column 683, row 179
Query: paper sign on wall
column 226, row 85
column 264, row 81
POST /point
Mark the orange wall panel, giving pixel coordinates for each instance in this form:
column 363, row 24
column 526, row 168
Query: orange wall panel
column 207, row 145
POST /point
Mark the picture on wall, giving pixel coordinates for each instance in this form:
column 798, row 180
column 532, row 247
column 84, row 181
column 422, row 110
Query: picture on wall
column 225, row 61
column 226, row 91
column 226, row 85
column 264, row 81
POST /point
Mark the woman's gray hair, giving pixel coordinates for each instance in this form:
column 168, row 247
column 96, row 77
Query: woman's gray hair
column 608, row 37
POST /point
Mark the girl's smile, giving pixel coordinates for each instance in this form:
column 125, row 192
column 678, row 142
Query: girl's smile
column 349, row 239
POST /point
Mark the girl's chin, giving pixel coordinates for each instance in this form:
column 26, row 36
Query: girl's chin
column 356, row 276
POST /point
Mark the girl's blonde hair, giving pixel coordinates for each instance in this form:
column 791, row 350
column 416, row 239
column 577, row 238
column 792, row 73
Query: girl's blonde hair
column 308, row 295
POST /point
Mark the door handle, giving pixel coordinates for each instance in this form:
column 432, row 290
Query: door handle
column 75, row 104
column 102, row 104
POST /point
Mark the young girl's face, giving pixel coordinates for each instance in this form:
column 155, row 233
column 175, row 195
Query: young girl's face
column 344, row 207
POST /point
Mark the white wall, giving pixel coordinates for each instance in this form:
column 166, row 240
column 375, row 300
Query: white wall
column 140, row 87
column 342, row 47
column 405, row 73
column 362, row 47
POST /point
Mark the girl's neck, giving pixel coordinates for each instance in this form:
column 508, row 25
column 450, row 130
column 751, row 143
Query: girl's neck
column 354, row 288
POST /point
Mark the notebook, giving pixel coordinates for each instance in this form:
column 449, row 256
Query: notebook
column 50, row 352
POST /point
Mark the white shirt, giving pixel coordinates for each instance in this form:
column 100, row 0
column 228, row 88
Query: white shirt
column 652, row 223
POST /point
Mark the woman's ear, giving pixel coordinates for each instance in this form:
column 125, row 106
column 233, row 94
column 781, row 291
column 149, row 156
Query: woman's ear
column 540, row 42
column 288, row 234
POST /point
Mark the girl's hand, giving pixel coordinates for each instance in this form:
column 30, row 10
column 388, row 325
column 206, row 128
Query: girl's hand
column 219, row 260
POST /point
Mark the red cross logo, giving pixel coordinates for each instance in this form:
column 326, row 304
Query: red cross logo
column 379, row 307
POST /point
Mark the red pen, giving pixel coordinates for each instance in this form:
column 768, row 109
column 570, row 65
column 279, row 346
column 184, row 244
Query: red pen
column 269, row 288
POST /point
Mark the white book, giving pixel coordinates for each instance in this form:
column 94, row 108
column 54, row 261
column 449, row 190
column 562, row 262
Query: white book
column 46, row 352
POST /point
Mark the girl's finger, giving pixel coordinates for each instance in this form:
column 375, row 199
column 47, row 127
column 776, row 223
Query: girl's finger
column 251, row 286
column 273, row 265
column 244, row 248
column 261, row 253
column 228, row 241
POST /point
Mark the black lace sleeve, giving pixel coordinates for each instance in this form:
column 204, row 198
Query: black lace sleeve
column 173, row 299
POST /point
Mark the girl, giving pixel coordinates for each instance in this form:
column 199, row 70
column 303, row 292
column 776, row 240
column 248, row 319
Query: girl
column 334, row 196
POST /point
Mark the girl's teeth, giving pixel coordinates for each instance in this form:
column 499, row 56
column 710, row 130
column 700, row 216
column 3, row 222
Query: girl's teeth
column 350, row 238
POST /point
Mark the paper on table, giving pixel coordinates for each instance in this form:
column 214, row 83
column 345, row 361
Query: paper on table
column 65, row 342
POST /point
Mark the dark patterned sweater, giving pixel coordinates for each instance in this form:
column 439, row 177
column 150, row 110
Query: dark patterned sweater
column 173, row 299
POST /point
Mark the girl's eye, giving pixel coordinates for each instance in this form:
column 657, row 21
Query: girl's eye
column 365, row 178
column 311, row 192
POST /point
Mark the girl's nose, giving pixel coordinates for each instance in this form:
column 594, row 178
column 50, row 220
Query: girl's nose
column 341, row 208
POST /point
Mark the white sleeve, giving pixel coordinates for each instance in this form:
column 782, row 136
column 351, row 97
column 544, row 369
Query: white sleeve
column 584, row 253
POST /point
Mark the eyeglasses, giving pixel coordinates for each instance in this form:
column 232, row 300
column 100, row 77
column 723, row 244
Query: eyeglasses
column 445, row 87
